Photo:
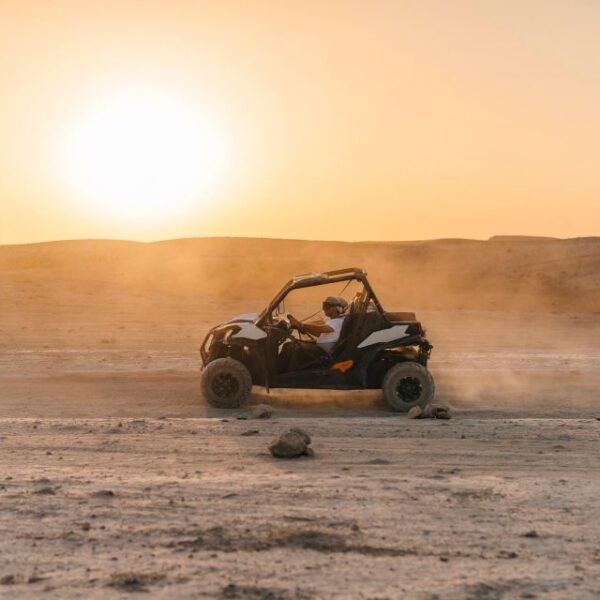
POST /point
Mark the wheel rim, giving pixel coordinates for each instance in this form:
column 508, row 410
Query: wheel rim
column 409, row 390
column 225, row 385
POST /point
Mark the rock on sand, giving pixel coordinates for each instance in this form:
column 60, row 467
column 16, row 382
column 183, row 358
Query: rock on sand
column 431, row 411
column 262, row 411
column 291, row 444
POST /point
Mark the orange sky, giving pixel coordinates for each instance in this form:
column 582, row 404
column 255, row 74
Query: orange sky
column 346, row 120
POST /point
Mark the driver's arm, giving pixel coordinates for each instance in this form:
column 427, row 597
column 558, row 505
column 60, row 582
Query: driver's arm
column 315, row 328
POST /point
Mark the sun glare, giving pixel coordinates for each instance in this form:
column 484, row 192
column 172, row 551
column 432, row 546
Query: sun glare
column 144, row 156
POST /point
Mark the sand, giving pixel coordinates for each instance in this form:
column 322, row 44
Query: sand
column 478, row 507
column 116, row 477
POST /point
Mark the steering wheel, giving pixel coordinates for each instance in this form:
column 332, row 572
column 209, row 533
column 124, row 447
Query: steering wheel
column 301, row 329
column 287, row 332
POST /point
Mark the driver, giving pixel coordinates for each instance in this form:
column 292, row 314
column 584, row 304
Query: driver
column 303, row 354
column 328, row 330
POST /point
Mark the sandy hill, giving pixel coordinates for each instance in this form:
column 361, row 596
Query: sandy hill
column 505, row 272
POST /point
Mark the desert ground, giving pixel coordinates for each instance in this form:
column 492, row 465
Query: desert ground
column 116, row 477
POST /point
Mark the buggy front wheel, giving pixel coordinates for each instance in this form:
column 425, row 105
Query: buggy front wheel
column 226, row 383
column 408, row 384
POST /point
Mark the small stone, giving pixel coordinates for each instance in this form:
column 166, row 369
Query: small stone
column 416, row 412
column 250, row 432
column 104, row 494
column 45, row 491
column 8, row 580
column 531, row 534
column 291, row 444
column 262, row 411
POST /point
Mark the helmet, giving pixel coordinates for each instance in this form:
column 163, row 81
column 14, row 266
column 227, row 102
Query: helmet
column 332, row 301
column 335, row 301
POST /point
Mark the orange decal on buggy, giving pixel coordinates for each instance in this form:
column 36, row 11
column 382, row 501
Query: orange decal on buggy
column 343, row 366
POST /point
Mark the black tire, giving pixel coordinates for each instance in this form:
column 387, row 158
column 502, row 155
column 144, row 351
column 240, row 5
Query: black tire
column 408, row 384
column 226, row 383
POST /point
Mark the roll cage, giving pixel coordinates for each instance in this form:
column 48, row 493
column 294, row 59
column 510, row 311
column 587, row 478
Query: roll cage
column 317, row 279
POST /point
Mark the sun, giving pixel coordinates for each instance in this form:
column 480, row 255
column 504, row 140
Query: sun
column 144, row 156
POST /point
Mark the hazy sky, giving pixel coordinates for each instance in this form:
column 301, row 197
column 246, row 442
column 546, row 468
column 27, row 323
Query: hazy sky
column 342, row 120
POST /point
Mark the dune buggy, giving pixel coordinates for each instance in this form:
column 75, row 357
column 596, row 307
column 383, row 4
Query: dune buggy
column 375, row 350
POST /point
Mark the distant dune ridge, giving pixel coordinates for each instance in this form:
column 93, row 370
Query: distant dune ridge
column 503, row 273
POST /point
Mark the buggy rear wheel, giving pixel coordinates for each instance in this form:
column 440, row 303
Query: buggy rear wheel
column 408, row 384
column 226, row 383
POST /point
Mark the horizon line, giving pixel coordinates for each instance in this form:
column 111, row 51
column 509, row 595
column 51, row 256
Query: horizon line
column 495, row 237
